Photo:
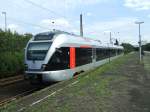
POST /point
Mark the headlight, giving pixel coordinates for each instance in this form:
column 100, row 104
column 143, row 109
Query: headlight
column 43, row 66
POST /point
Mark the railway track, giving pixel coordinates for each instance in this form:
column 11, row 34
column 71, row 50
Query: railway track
column 5, row 101
column 17, row 90
column 10, row 80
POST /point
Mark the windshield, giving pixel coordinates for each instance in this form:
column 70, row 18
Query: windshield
column 37, row 51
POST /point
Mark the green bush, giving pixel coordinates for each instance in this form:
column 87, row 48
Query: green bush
column 11, row 64
column 127, row 48
column 12, row 53
column 146, row 47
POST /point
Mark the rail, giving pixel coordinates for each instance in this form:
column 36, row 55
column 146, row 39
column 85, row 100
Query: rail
column 10, row 80
column 7, row 100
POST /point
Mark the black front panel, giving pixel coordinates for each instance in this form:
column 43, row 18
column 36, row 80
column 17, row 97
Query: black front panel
column 83, row 56
column 59, row 60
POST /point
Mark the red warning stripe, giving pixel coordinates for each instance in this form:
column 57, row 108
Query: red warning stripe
column 72, row 58
column 86, row 46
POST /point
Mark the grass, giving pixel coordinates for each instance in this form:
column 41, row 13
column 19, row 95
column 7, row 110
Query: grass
column 146, row 61
column 89, row 93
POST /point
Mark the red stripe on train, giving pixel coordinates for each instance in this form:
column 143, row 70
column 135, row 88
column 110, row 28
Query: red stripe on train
column 72, row 57
column 85, row 46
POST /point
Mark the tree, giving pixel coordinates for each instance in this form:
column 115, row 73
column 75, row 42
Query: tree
column 12, row 46
column 127, row 47
column 146, row 47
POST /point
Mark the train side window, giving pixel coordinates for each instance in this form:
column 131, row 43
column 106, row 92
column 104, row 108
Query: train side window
column 101, row 53
column 83, row 56
column 111, row 52
column 107, row 53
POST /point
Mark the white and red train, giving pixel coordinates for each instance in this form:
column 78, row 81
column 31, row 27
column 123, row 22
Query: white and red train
column 58, row 55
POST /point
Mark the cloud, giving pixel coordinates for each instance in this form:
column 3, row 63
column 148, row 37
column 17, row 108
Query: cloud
column 63, row 5
column 85, row 2
column 64, row 13
column 59, row 23
column 125, row 26
column 89, row 14
column 138, row 4
column 13, row 27
column 74, row 3
column 52, row 9
column 113, row 24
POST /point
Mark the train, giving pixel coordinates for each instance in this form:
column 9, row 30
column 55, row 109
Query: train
column 56, row 55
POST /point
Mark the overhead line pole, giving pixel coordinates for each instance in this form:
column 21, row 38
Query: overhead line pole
column 81, row 26
column 110, row 38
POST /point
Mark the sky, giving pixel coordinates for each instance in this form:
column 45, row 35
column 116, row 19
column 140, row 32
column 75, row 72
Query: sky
column 99, row 17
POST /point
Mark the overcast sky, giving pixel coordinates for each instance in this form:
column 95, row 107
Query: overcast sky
column 99, row 17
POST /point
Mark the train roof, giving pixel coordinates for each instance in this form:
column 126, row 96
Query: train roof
column 71, row 39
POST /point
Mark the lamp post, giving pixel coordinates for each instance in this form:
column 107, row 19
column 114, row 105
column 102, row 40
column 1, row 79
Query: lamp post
column 140, row 48
column 5, row 21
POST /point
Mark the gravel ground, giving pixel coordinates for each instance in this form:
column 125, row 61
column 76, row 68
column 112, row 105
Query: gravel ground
column 121, row 86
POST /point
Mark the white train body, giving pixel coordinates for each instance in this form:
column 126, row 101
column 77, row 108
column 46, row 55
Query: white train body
column 57, row 56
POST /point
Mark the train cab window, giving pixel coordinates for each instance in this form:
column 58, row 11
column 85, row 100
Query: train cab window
column 59, row 60
column 37, row 51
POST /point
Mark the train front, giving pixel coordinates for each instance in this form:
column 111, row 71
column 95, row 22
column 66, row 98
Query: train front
column 36, row 53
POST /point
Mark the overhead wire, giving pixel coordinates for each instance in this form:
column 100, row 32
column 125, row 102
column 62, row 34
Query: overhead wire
column 32, row 24
column 41, row 7
column 26, row 23
column 44, row 8
column 47, row 9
